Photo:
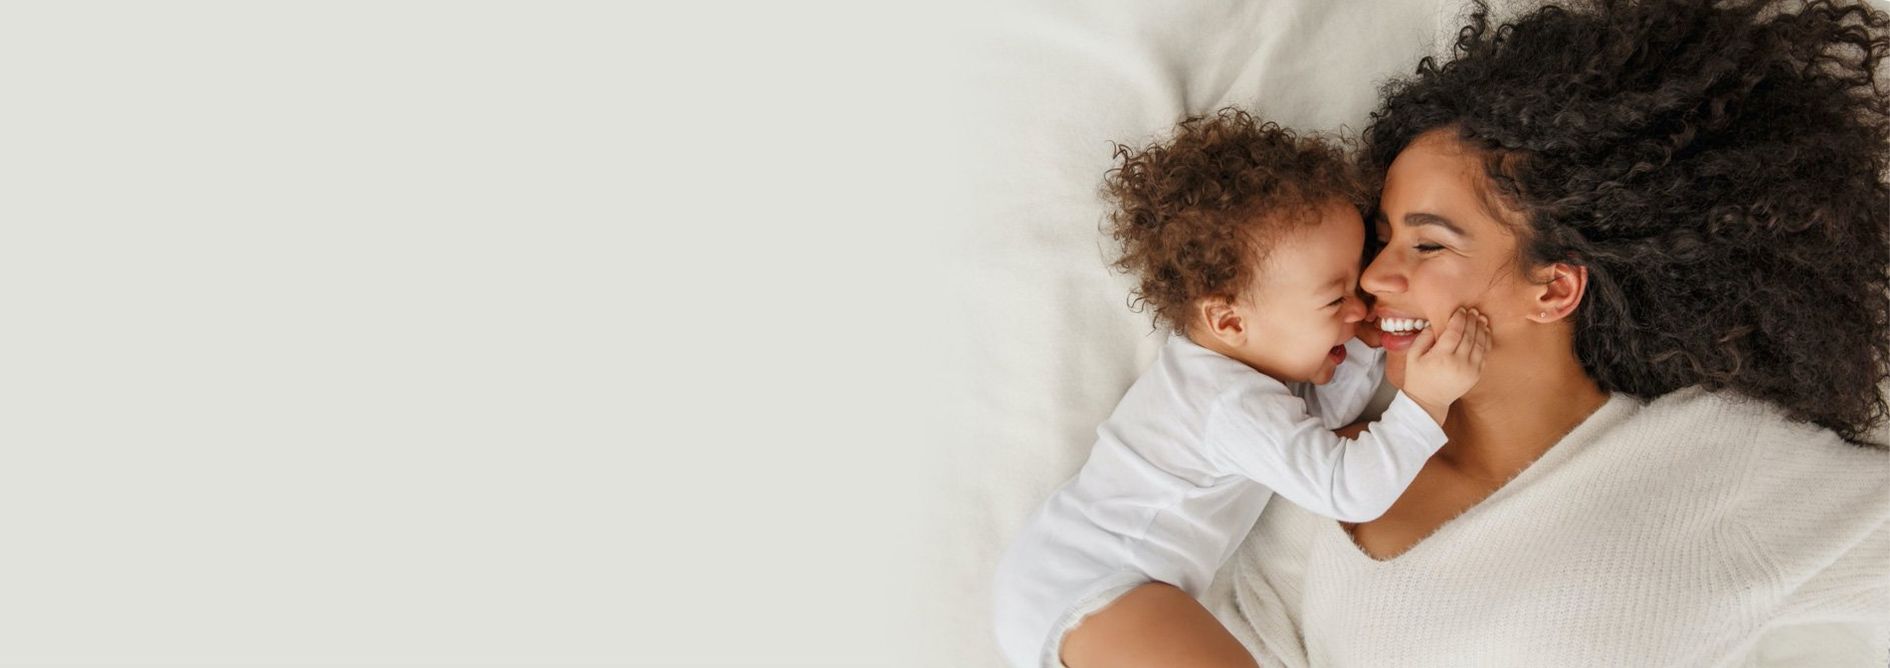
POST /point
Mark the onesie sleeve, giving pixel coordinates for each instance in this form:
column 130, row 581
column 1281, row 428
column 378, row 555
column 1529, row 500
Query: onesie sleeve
column 1353, row 384
column 1265, row 434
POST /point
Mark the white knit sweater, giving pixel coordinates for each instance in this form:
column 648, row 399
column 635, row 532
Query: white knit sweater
column 1678, row 532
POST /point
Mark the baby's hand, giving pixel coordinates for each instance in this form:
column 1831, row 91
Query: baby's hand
column 1441, row 367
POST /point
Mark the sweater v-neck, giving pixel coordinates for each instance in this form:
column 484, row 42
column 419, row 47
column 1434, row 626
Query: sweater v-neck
column 1609, row 413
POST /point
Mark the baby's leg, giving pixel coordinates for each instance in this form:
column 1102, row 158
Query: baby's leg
column 1154, row 624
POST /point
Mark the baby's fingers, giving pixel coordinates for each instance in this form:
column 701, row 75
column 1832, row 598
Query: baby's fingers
column 1472, row 329
column 1482, row 345
column 1453, row 333
column 1425, row 338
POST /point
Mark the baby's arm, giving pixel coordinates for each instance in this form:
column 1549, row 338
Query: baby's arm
column 1354, row 480
column 1268, row 437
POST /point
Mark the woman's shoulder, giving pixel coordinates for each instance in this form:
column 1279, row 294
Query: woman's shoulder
column 1748, row 454
column 1800, row 489
column 1774, row 441
column 1727, row 419
column 1805, row 502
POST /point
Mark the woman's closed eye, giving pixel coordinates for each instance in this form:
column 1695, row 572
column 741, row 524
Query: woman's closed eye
column 1427, row 248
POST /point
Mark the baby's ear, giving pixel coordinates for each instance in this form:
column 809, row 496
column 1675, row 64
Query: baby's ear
column 1218, row 318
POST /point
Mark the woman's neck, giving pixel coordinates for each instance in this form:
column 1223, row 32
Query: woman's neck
column 1506, row 422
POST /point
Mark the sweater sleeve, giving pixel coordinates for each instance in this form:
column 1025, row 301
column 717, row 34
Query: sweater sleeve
column 1838, row 616
column 1267, row 436
column 1832, row 644
column 1851, row 593
column 1818, row 511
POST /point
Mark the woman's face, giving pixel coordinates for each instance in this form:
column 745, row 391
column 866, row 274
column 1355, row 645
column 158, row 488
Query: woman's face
column 1441, row 249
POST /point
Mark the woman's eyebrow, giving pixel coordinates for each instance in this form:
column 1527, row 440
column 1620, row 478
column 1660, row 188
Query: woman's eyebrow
column 1420, row 219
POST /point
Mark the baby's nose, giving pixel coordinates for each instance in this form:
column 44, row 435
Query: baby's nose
column 1354, row 309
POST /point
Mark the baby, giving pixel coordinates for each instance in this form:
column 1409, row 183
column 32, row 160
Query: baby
column 1247, row 241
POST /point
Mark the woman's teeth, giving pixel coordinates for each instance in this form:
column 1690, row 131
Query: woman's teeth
column 1402, row 325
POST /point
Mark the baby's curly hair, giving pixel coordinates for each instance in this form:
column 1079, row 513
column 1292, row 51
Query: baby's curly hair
column 1719, row 169
column 1194, row 215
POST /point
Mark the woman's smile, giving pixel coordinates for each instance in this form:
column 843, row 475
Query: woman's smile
column 1398, row 329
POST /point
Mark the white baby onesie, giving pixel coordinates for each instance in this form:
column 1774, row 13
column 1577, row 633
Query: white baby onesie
column 1179, row 474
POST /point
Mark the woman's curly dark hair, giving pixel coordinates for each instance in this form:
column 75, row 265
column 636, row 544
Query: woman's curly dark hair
column 1718, row 167
column 1195, row 214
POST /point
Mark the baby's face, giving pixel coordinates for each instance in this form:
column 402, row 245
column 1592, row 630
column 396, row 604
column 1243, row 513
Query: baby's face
column 1305, row 302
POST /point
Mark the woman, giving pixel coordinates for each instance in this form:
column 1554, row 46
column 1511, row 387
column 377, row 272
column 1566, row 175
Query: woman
column 1676, row 215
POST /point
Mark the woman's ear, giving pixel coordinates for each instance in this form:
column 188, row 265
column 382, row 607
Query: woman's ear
column 1558, row 297
column 1220, row 320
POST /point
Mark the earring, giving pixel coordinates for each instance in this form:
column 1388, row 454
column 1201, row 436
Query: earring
column 1545, row 315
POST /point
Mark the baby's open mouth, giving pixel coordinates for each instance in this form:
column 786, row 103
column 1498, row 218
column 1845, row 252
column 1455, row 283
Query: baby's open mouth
column 1402, row 325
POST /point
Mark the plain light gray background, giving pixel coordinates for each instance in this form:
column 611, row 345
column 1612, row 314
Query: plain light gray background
column 504, row 333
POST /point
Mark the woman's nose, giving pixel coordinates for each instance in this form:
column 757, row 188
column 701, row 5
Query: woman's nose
column 1383, row 275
